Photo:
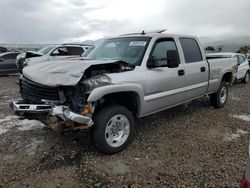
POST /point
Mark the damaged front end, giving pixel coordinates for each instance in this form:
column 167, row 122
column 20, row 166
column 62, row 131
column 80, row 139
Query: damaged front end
column 64, row 104
column 61, row 105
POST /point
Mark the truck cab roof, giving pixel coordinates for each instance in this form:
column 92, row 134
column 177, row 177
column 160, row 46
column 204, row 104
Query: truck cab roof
column 154, row 35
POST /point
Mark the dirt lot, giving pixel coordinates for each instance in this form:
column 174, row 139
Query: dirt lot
column 190, row 145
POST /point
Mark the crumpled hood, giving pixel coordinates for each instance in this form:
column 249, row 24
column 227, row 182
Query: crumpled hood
column 60, row 73
column 29, row 54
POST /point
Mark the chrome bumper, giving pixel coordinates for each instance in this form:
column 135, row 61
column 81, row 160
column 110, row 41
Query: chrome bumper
column 61, row 111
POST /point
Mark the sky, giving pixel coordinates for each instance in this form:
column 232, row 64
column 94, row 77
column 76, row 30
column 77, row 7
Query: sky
column 58, row 21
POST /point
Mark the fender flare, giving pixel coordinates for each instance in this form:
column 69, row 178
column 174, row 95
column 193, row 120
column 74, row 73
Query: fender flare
column 100, row 92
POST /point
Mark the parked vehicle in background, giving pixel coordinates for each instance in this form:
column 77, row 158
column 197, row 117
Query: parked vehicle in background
column 123, row 78
column 243, row 72
column 3, row 49
column 50, row 53
column 248, row 57
column 8, row 63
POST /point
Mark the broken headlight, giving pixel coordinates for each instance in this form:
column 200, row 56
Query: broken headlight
column 96, row 81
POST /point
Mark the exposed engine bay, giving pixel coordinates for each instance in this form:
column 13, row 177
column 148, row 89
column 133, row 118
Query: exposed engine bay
column 116, row 67
column 95, row 76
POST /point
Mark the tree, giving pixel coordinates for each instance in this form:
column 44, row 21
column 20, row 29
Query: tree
column 243, row 49
column 210, row 48
column 219, row 49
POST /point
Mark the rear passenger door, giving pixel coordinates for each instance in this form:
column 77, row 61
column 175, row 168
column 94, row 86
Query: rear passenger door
column 196, row 68
column 243, row 66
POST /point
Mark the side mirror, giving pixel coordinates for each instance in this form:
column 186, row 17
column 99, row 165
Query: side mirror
column 151, row 62
column 172, row 59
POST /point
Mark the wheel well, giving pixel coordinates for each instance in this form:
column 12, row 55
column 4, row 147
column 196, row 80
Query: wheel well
column 227, row 77
column 129, row 100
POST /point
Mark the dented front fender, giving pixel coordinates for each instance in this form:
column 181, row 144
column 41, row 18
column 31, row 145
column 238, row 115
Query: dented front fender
column 100, row 92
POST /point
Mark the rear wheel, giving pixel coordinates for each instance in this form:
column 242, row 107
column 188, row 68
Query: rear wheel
column 113, row 129
column 246, row 78
column 219, row 99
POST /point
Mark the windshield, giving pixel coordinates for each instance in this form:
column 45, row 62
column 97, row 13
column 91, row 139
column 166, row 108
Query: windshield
column 45, row 50
column 128, row 49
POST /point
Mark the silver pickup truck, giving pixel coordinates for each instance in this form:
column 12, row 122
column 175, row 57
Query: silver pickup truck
column 125, row 77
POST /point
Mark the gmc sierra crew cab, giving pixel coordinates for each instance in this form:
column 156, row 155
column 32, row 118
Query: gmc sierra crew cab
column 125, row 77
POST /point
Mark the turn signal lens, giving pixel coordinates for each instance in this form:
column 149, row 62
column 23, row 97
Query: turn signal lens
column 86, row 110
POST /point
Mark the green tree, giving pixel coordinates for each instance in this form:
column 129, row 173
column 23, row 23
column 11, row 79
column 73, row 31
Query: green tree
column 243, row 49
column 219, row 49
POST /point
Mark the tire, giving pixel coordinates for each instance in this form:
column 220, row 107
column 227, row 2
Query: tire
column 246, row 78
column 219, row 99
column 235, row 81
column 113, row 129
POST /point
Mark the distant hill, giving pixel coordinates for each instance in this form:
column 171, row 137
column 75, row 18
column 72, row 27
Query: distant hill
column 228, row 44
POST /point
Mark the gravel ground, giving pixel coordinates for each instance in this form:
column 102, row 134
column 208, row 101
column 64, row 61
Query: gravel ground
column 192, row 145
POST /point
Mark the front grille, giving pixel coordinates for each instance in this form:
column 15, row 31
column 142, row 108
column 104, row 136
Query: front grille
column 36, row 92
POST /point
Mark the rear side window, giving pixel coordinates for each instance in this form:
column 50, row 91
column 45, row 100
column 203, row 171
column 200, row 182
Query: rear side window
column 241, row 59
column 191, row 50
column 75, row 51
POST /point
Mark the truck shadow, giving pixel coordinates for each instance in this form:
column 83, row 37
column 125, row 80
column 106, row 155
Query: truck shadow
column 70, row 149
column 144, row 125
column 171, row 115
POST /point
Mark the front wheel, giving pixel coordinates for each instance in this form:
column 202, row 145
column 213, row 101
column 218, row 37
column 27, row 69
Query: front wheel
column 113, row 129
column 246, row 78
column 219, row 99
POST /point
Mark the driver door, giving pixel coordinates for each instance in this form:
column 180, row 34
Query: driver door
column 165, row 86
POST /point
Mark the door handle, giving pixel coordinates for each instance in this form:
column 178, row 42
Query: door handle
column 181, row 72
column 203, row 69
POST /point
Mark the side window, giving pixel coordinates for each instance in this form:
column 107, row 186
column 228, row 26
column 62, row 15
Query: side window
column 75, row 51
column 160, row 50
column 10, row 56
column 191, row 50
column 61, row 51
column 241, row 59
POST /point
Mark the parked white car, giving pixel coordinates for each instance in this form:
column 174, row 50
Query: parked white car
column 50, row 53
column 243, row 64
column 248, row 57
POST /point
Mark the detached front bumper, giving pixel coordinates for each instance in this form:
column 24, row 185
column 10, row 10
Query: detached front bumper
column 60, row 111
